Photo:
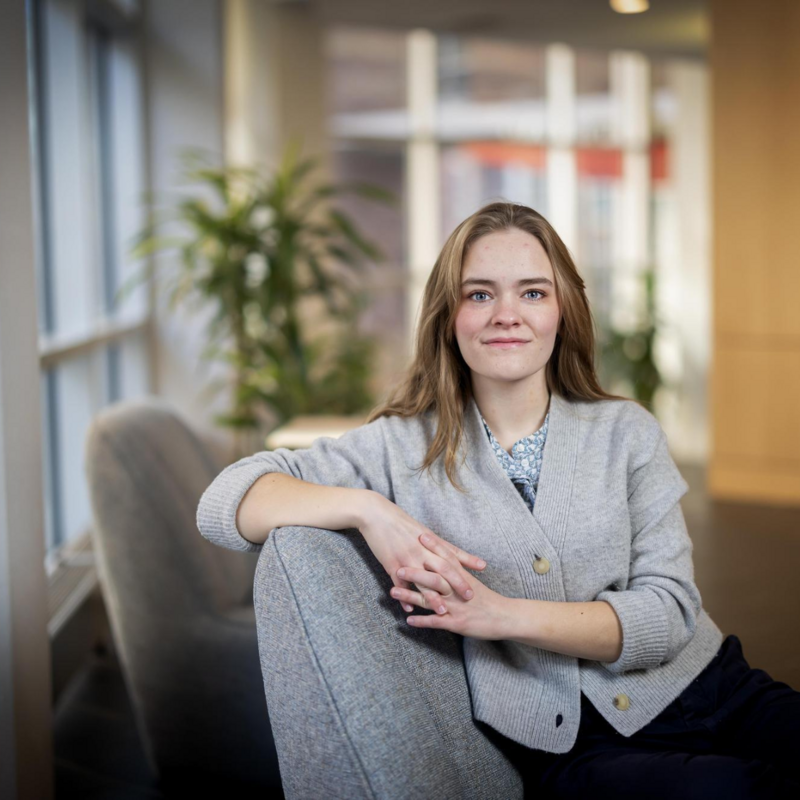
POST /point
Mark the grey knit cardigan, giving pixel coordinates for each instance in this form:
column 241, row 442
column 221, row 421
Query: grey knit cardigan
column 607, row 518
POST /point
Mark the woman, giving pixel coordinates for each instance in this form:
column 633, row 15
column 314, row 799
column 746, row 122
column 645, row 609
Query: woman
column 590, row 659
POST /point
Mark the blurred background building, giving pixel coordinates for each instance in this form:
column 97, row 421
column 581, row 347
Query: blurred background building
column 661, row 143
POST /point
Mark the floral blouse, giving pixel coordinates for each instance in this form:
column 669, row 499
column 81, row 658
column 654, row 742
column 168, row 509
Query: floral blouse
column 524, row 465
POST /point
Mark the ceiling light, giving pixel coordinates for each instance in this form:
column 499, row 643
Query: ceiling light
column 630, row 6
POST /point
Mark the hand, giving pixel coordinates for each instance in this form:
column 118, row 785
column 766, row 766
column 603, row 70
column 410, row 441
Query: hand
column 486, row 616
column 393, row 536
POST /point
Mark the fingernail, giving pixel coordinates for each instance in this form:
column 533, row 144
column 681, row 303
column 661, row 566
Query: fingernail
column 468, row 594
column 481, row 563
column 395, row 593
column 441, row 609
column 401, row 572
column 425, row 538
column 408, row 608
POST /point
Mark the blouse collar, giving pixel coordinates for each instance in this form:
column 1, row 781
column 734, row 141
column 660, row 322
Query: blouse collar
column 534, row 442
column 484, row 472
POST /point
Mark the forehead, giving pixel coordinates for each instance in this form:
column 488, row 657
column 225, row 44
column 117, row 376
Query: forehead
column 513, row 251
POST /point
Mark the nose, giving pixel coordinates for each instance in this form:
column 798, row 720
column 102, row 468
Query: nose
column 506, row 313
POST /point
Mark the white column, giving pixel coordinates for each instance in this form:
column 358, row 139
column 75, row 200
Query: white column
column 630, row 92
column 562, row 175
column 691, row 313
column 274, row 83
column 630, row 98
column 423, row 180
column 26, row 748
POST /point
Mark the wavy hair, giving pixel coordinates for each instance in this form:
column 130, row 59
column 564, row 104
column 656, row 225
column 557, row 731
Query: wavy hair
column 438, row 378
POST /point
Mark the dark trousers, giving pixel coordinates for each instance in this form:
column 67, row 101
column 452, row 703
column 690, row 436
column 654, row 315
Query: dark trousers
column 734, row 732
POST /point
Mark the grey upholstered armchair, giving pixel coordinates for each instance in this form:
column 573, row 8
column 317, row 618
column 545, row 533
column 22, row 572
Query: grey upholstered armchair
column 180, row 609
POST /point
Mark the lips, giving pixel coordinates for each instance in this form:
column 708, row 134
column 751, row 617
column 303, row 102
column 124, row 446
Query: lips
column 506, row 344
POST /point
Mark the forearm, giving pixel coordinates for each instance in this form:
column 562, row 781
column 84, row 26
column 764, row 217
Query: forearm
column 585, row 630
column 276, row 500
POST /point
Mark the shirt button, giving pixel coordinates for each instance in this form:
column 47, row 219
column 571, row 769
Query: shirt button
column 541, row 565
column 622, row 702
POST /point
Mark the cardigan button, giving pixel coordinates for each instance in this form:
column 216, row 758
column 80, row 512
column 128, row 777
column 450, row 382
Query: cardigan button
column 541, row 565
column 622, row 702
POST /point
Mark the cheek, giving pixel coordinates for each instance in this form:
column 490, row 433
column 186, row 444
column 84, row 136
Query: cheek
column 547, row 324
column 467, row 322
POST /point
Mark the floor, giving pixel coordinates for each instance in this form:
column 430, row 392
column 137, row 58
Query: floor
column 98, row 750
column 746, row 559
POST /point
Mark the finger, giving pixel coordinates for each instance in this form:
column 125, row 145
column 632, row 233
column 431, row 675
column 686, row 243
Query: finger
column 453, row 575
column 424, row 578
column 406, row 597
column 424, row 599
column 459, row 584
column 434, row 601
column 403, row 584
column 438, row 546
column 406, row 586
column 450, row 550
column 430, row 621
column 443, row 548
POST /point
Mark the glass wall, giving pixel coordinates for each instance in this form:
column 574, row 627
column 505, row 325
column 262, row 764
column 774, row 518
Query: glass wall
column 368, row 117
column 89, row 145
column 584, row 136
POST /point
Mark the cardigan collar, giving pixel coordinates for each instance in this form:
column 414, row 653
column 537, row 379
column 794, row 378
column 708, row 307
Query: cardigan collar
column 548, row 522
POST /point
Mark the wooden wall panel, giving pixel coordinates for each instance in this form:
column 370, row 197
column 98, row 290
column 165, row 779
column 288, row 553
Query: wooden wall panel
column 755, row 380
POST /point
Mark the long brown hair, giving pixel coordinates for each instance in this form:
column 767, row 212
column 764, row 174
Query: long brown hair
column 438, row 376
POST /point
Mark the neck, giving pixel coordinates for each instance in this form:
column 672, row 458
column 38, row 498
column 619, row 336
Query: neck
column 512, row 410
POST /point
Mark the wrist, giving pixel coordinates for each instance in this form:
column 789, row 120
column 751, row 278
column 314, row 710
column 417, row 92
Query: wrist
column 365, row 503
column 522, row 621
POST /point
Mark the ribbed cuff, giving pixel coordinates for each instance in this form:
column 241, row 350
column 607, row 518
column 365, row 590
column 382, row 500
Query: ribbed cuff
column 216, row 511
column 645, row 632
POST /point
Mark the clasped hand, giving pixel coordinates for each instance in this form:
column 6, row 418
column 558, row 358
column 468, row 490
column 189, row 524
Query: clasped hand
column 413, row 554
column 482, row 616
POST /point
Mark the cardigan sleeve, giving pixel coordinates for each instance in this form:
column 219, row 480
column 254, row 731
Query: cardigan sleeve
column 658, row 609
column 356, row 459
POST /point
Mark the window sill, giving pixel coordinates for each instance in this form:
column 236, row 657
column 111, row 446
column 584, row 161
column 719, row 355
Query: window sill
column 71, row 579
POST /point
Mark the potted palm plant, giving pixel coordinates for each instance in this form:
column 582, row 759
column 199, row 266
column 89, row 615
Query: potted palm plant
column 628, row 357
column 257, row 246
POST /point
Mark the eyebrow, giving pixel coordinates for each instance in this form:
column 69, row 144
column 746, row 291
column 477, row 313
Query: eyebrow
column 487, row 282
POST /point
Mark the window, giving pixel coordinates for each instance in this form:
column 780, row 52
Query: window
column 368, row 117
column 585, row 136
column 89, row 145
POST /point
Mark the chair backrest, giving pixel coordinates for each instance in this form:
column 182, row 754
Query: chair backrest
column 180, row 608
column 146, row 472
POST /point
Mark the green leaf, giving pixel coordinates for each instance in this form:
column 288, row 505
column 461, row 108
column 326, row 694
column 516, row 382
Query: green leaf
column 343, row 222
column 133, row 281
column 150, row 245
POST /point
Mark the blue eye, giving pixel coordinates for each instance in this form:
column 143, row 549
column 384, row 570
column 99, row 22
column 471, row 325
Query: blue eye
column 530, row 291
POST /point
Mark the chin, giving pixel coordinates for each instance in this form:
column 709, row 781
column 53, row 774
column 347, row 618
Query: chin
column 509, row 375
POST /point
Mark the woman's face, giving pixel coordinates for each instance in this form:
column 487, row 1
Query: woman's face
column 507, row 292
